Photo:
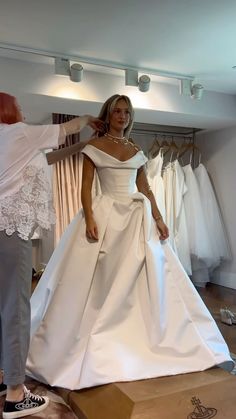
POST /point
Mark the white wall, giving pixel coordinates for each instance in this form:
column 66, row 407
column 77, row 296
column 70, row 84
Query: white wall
column 218, row 153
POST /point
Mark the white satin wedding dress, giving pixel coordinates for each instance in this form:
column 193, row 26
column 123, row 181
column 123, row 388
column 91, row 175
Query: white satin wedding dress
column 122, row 308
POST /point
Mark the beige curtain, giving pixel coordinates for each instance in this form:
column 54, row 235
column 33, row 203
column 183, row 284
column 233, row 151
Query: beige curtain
column 66, row 188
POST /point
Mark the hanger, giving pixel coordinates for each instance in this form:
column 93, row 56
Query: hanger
column 174, row 147
column 165, row 147
column 154, row 150
column 187, row 147
column 191, row 147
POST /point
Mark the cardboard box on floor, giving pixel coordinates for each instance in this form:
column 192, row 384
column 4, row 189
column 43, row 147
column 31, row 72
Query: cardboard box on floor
column 200, row 395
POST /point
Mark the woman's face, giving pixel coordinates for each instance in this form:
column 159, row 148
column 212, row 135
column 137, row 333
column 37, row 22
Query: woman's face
column 120, row 116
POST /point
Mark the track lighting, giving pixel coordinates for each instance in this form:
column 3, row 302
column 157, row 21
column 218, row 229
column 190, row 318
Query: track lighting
column 144, row 83
column 76, row 72
column 197, row 91
column 63, row 68
column 132, row 79
column 187, row 88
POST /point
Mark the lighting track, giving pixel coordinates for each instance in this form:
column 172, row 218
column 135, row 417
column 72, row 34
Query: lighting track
column 96, row 62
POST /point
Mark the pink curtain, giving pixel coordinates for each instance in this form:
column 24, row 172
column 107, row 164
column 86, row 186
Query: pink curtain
column 66, row 191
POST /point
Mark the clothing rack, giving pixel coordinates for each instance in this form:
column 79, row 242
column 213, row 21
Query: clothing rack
column 171, row 137
column 165, row 130
column 164, row 136
column 175, row 143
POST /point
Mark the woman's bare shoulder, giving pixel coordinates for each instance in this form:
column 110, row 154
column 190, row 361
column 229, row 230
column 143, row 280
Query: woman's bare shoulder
column 97, row 142
column 137, row 146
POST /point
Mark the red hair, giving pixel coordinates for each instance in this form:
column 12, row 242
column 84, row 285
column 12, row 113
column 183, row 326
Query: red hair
column 9, row 111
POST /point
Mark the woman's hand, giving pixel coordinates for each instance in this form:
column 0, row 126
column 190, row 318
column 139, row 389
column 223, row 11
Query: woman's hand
column 91, row 229
column 163, row 229
column 95, row 123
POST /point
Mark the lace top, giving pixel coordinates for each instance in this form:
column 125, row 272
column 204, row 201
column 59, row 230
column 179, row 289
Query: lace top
column 30, row 207
column 25, row 179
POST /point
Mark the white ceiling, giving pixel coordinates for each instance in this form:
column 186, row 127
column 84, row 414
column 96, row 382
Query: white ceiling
column 191, row 37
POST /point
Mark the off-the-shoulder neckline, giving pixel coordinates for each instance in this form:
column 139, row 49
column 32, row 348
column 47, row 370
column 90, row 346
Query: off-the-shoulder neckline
column 113, row 157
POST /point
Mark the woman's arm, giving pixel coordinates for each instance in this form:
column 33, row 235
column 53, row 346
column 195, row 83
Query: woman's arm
column 86, row 198
column 61, row 154
column 143, row 187
column 72, row 127
column 77, row 124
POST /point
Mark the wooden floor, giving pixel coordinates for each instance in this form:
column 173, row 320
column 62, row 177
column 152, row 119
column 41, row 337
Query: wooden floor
column 214, row 296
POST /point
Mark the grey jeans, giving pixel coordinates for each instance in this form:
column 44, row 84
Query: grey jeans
column 15, row 291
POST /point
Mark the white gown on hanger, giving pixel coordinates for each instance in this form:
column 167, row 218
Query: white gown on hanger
column 219, row 243
column 122, row 308
column 200, row 245
column 169, row 180
column 181, row 232
column 199, row 240
column 155, row 180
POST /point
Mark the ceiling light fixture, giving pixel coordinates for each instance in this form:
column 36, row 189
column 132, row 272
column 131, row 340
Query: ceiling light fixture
column 63, row 68
column 197, row 91
column 132, row 79
column 187, row 88
column 144, row 83
column 76, row 72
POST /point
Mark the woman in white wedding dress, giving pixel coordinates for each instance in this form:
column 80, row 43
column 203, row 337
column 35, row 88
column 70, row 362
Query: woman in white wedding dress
column 114, row 303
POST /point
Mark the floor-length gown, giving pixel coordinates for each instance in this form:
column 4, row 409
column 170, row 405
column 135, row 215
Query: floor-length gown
column 181, row 231
column 199, row 240
column 121, row 308
column 155, row 180
column 215, row 227
column 169, row 180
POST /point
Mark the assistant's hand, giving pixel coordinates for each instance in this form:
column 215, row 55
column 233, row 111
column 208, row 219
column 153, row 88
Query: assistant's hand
column 91, row 229
column 163, row 229
column 95, row 123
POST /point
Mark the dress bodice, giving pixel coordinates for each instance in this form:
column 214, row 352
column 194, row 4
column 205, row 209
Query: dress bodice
column 117, row 178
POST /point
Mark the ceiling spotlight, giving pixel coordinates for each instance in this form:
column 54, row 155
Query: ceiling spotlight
column 197, row 91
column 76, row 72
column 131, row 79
column 63, row 68
column 144, row 83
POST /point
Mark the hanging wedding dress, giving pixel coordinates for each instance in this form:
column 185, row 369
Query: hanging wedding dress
column 169, row 180
column 215, row 228
column 121, row 308
column 181, row 232
column 155, row 180
column 175, row 190
column 199, row 241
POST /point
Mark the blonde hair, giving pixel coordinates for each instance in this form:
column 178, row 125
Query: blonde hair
column 109, row 106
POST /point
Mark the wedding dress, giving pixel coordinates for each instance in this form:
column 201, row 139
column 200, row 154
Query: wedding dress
column 219, row 243
column 181, row 232
column 121, row 308
column 155, row 180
